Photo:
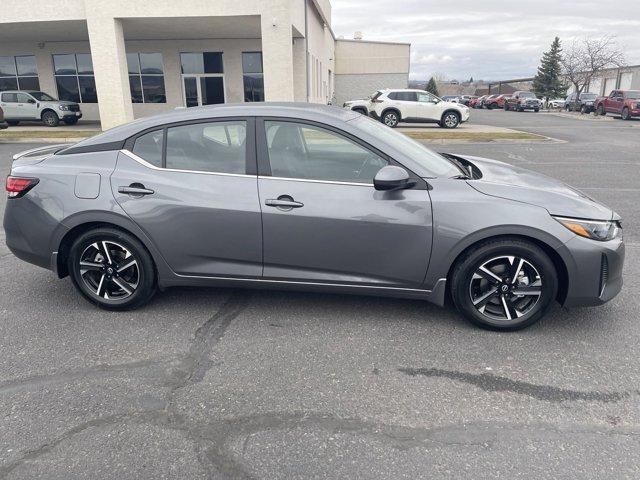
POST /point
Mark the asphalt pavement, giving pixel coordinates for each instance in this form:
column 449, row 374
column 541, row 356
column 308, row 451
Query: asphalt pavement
column 218, row 383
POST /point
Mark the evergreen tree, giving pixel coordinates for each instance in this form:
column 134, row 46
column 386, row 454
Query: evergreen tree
column 548, row 81
column 432, row 87
column 471, row 80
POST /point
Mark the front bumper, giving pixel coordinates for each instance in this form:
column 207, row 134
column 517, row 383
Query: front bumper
column 67, row 114
column 594, row 270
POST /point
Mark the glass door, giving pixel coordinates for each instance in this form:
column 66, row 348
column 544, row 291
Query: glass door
column 204, row 89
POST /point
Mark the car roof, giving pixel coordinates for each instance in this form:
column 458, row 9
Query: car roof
column 308, row 111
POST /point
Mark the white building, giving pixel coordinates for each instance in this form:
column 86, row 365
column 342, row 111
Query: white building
column 123, row 59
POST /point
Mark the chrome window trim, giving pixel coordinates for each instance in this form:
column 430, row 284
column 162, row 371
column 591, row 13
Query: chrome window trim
column 144, row 163
column 332, row 182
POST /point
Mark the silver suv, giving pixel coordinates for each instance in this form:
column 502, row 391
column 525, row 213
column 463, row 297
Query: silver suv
column 34, row 105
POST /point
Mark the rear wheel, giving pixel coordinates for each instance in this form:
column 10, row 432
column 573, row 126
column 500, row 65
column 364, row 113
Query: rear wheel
column 112, row 269
column 50, row 119
column 391, row 119
column 504, row 284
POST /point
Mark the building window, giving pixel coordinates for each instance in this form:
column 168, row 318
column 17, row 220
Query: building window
column 19, row 73
column 201, row 62
column 146, row 78
column 74, row 77
column 252, row 76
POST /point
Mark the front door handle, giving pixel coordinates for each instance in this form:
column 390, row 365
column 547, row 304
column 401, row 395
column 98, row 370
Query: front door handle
column 135, row 190
column 283, row 202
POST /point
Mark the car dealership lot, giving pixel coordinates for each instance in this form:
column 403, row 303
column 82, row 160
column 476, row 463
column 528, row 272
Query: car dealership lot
column 260, row 384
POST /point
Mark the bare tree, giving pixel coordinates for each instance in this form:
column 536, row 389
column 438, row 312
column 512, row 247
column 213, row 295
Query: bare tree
column 586, row 59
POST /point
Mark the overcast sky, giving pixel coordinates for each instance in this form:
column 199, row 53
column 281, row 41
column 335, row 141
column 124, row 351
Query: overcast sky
column 487, row 39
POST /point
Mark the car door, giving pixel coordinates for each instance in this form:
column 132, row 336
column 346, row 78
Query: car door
column 611, row 102
column 9, row 103
column 322, row 219
column 405, row 102
column 27, row 106
column 427, row 107
column 193, row 189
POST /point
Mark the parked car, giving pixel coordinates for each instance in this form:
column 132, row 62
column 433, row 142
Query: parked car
column 451, row 98
column 584, row 104
column 495, row 101
column 360, row 106
column 3, row 124
column 479, row 102
column 489, row 100
column 625, row 103
column 522, row 100
column 466, row 99
column 416, row 106
column 34, row 105
column 556, row 103
column 312, row 198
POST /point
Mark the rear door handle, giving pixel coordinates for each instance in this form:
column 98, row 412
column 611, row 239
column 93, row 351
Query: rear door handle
column 136, row 190
column 283, row 202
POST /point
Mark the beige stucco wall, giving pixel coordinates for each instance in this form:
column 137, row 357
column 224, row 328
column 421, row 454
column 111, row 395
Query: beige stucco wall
column 365, row 57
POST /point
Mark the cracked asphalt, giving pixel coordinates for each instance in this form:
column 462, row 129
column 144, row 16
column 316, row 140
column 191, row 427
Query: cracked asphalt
column 216, row 383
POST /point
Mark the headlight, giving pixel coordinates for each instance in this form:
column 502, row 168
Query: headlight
column 593, row 229
column 63, row 107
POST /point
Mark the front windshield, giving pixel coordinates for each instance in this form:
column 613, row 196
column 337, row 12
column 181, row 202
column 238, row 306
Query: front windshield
column 633, row 95
column 588, row 95
column 430, row 160
column 42, row 97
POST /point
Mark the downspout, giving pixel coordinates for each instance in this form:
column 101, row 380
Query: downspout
column 306, row 47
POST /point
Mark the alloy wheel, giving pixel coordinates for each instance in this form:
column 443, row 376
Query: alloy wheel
column 505, row 288
column 109, row 270
column 390, row 119
column 451, row 120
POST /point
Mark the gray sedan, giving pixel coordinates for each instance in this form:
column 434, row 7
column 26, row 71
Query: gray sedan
column 307, row 197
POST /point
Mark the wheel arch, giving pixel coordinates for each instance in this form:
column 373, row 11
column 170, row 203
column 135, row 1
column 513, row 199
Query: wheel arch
column 78, row 224
column 48, row 109
column 558, row 261
column 391, row 109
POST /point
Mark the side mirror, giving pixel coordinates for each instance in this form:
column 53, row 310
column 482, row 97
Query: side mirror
column 392, row 178
column 31, row 100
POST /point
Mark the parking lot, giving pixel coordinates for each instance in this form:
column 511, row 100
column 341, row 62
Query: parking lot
column 217, row 383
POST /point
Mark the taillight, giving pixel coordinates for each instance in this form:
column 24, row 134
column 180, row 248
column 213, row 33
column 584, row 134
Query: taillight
column 18, row 186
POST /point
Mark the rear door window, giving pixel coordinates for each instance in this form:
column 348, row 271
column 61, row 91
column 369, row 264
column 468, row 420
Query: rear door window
column 149, row 147
column 218, row 147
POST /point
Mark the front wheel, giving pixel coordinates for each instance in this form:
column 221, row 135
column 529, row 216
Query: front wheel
column 50, row 119
column 112, row 269
column 504, row 284
column 450, row 120
column 600, row 110
column 625, row 114
column 391, row 119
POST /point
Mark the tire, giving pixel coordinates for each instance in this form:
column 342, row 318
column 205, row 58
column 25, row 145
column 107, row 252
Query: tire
column 50, row 119
column 13, row 123
column 600, row 110
column 391, row 118
column 583, row 109
column 506, row 107
column 449, row 120
column 106, row 280
column 70, row 121
column 471, row 287
column 536, row 110
column 625, row 114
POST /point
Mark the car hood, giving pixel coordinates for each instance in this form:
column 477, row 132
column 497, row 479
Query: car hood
column 502, row 180
column 59, row 102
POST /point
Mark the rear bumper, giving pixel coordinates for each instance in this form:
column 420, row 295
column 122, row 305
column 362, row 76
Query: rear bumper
column 595, row 272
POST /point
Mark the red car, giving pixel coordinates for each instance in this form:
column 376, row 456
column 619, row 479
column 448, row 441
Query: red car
column 625, row 103
column 496, row 101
